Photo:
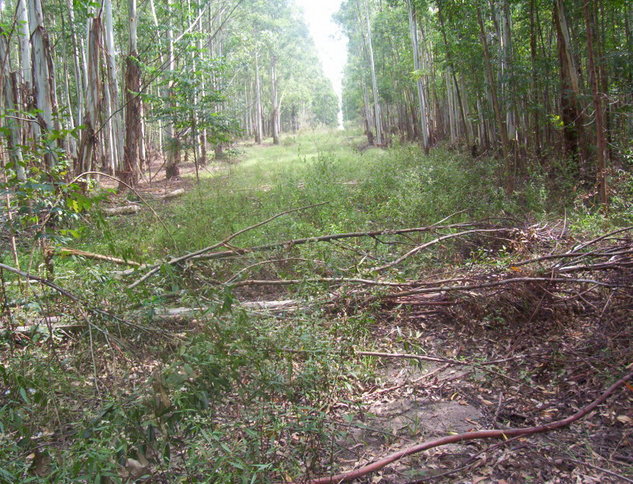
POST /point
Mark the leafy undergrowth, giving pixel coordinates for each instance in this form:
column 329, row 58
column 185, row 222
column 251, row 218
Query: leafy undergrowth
column 180, row 379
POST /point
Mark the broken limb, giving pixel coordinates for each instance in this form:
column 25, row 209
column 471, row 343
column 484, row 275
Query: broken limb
column 72, row 297
column 91, row 255
column 203, row 254
column 432, row 242
column 481, row 434
column 224, row 242
column 504, row 282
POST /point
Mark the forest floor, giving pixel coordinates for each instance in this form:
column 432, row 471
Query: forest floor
column 331, row 307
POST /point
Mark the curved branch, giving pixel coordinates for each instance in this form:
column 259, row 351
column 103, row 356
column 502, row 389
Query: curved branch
column 224, row 242
column 432, row 242
column 482, row 434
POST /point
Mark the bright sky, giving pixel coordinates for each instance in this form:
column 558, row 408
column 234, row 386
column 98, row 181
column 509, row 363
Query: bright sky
column 330, row 42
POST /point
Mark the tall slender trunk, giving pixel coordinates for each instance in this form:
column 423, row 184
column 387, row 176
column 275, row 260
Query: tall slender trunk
column 25, row 48
column 506, row 70
column 453, row 75
column 534, row 87
column 601, row 138
column 571, row 114
column 259, row 132
column 492, row 86
column 424, row 118
column 274, row 100
column 115, row 119
column 131, row 154
column 88, row 141
column 42, row 85
column 172, row 170
column 80, row 86
column 8, row 90
column 374, row 82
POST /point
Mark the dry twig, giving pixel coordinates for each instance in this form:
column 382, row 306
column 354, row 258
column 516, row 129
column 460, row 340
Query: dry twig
column 481, row 434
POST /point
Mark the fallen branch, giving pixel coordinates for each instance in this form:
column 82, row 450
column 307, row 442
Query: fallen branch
column 169, row 314
column 90, row 255
column 71, row 296
column 176, row 260
column 123, row 210
column 328, row 238
column 503, row 282
column 316, row 280
column 409, row 356
column 481, row 434
column 204, row 254
column 176, row 193
column 433, row 242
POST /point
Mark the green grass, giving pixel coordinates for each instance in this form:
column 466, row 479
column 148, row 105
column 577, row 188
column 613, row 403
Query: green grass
column 361, row 190
column 220, row 399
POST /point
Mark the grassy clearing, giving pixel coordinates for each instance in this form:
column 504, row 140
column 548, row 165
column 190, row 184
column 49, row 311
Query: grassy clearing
column 364, row 190
column 217, row 397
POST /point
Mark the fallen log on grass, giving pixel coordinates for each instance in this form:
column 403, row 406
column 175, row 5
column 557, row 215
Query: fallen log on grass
column 171, row 314
column 173, row 194
column 123, row 210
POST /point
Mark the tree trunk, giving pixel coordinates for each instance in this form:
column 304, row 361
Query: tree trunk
column 424, row 121
column 492, row 86
column 131, row 155
column 259, row 132
column 374, row 82
column 601, row 139
column 172, row 170
column 8, row 90
column 25, row 48
column 42, row 85
column 88, row 141
column 274, row 100
column 451, row 70
column 535, row 125
column 571, row 114
column 115, row 122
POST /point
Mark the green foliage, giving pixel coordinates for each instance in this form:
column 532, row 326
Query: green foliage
column 44, row 204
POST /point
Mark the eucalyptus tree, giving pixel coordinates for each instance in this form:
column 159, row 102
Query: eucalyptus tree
column 526, row 80
column 355, row 16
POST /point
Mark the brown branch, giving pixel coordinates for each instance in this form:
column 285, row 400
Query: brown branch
column 91, row 255
column 574, row 255
column 481, row 434
column 71, row 296
column 198, row 253
column 288, row 282
column 437, row 359
column 575, row 252
column 503, row 282
column 432, row 242
column 328, row 238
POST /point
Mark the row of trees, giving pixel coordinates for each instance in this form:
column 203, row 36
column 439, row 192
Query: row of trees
column 528, row 79
column 107, row 86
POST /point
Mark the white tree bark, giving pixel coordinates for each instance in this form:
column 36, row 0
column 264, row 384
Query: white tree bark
column 93, row 98
column 424, row 115
column 41, row 75
column 114, row 116
column 374, row 82
column 25, row 47
column 259, row 131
